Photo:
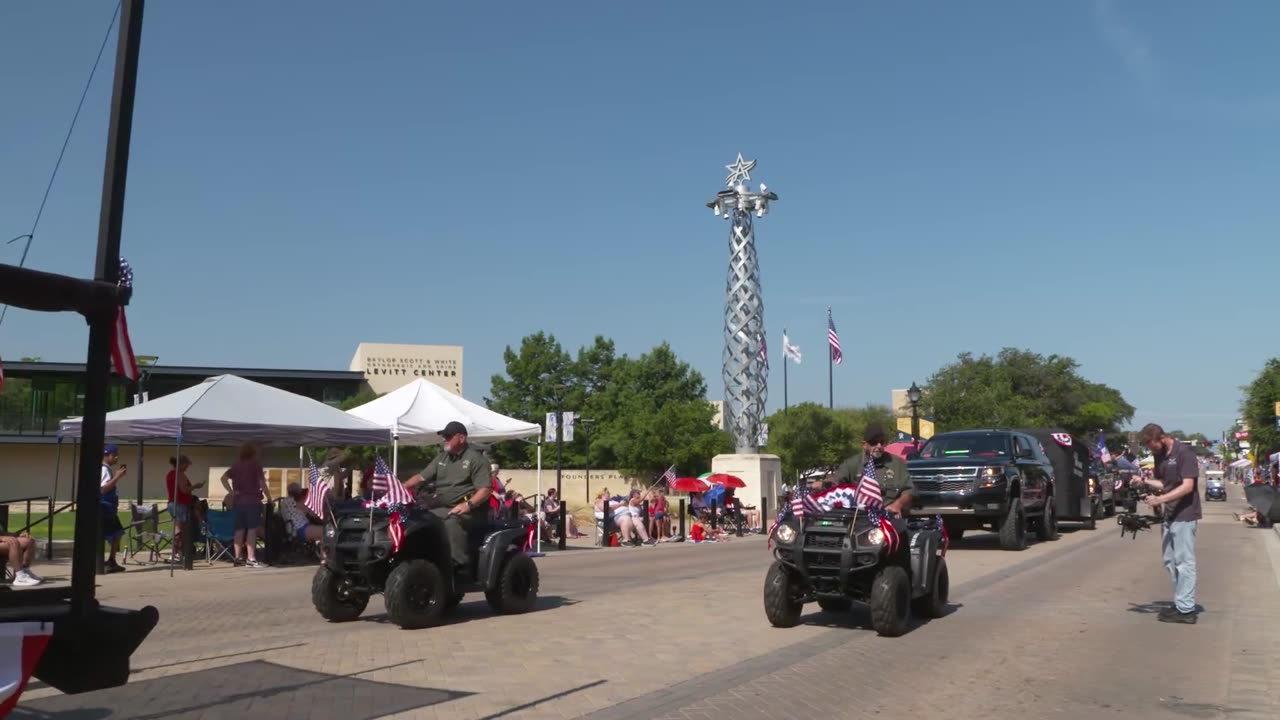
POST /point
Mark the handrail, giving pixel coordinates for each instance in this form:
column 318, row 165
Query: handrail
column 47, row 519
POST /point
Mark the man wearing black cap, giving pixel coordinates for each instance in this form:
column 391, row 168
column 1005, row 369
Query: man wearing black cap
column 460, row 474
column 891, row 471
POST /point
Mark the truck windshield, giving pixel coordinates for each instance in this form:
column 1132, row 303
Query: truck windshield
column 961, row 445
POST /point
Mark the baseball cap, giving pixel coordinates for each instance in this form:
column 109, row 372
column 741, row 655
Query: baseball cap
column 453, row 428
column 110, row 450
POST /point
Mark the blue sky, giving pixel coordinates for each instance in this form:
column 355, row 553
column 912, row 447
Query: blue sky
column 953, row 177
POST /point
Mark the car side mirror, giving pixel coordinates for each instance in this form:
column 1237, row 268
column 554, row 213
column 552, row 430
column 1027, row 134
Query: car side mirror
column 1025, row 454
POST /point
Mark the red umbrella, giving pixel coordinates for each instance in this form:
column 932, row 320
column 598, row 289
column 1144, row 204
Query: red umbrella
column 688, row 484
column 732, row 481
column 900, row 448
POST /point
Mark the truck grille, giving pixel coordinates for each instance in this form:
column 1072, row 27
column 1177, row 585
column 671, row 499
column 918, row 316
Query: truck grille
column 944, row 479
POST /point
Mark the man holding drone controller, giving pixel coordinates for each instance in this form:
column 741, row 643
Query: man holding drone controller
column 1177, row 472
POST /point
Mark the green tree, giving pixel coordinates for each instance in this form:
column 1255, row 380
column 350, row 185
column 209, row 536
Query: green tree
column 1259, row 409
column 858, row 419
column 1019, row 388
column 810, row 436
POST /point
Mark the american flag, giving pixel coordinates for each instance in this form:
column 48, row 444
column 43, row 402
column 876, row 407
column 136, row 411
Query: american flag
column 1103, row 453
column 123, row 363
column 891, row 537
column 833, row 339
column 669, row 476
column 396, row 492
column 319, row 489
column 869, row 494
column 802, row 502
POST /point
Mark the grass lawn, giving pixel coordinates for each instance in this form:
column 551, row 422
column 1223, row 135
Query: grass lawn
column 64, row 523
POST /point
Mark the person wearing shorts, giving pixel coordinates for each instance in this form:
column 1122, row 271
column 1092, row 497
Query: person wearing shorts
column 181, row 499
column 658, row 515
column 109, row 505
column 246, row 485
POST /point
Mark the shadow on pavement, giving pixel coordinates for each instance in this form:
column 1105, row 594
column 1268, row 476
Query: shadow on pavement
column 250, row 690
column 1156, row 606
column 539, row 701
column 479, row 609
column 859, row 618
column 986, row 540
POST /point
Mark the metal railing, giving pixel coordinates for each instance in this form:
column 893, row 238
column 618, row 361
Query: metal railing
column 48, row 502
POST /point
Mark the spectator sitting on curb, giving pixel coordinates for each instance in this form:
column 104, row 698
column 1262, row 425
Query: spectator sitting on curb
column 20, row 550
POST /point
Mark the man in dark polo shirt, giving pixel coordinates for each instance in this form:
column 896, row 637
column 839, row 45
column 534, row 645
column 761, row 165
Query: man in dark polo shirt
column 1177, row 473
column 460, row 476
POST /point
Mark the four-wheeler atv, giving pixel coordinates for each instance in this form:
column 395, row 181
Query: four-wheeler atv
column 840, row 557
column 418, row 582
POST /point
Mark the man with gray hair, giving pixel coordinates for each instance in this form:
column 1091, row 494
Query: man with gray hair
column 1177, row 471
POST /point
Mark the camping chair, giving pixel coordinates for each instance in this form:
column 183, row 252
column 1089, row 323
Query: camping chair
column 144, row 532
column 219, row 533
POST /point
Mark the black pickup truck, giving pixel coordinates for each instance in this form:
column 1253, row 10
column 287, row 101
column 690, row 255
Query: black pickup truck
column 1000, row 480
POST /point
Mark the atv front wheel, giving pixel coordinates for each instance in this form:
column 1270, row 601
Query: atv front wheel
column 835, row 604
column 333, row 600
column 934, row 604
column 891, row 601
column 415, row 594
column 517, row 588
column 780, row 604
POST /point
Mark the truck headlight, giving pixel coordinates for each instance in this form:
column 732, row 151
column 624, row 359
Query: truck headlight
column 875, row 536
column 992, row 476
column 785, row 534
column 330, row 531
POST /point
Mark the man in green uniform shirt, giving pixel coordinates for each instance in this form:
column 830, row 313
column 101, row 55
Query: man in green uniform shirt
column 891, row 471
column 460, row 474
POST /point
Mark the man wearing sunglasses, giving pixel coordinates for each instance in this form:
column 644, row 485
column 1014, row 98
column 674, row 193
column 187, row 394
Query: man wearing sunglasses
column 891, row 471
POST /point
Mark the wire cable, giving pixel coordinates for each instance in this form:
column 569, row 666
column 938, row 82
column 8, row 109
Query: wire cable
column 61, row 153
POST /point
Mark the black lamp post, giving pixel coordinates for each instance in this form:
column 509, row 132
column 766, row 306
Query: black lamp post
column 913, row 395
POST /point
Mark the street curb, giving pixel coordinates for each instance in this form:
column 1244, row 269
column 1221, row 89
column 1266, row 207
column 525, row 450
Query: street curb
column 1273, row 552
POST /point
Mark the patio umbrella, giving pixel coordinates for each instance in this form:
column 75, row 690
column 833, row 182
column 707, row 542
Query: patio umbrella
column 726, row 480
column 688, row 484
column 1262, row 497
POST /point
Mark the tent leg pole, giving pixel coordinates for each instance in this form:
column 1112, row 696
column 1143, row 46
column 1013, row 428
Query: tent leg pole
column 540, row 498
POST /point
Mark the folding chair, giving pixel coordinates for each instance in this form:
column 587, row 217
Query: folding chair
column 144, row 532
column 219, row 533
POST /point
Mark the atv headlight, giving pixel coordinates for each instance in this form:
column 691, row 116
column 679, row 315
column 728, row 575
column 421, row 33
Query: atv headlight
column 785, row 534
column 875, row 536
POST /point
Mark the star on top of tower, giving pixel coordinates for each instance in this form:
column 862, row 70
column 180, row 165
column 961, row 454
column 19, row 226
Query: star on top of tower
column 739, row 171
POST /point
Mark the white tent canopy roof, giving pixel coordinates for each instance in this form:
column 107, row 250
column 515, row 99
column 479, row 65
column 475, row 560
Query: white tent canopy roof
column 418, row 411
column 1241, row 462
column 228, row 410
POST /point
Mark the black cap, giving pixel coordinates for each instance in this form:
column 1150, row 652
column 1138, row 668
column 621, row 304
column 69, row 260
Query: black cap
column 873, row 435
column 453, row 428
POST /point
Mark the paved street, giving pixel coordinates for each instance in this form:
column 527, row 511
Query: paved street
column 1062, row 630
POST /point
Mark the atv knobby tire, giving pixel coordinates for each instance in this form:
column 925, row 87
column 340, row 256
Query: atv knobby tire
column 890, row 601
column 934, row 605
column 780, row 604
column 331, row 601
column 415, row 594
column 835, row 604
column 1013, row 528
column 517, row 588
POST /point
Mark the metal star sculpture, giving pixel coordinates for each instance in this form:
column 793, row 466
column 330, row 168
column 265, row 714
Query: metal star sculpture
column 739, row 171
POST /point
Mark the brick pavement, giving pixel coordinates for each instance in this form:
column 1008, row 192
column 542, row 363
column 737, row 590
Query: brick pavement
column 628, row 630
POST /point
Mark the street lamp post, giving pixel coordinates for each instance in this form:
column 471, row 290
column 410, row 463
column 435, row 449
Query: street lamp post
column 913, row 395
column 586, row 429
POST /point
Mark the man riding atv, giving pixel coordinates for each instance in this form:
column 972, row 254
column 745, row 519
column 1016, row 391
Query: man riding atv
column 457, row 489
column 424, row 555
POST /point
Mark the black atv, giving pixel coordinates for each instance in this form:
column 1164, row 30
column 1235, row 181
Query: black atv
column 418, row 582
column 839, row 557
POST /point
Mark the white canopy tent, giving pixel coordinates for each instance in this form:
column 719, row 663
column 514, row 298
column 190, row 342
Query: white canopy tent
column 416, row 413
column 227, row 410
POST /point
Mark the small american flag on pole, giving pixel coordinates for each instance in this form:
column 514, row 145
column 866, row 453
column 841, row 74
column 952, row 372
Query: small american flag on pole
column 869, row 493
column 803, row 503
column 396, row 492
column 833, row 339
column 669, row 476
column 319, row 489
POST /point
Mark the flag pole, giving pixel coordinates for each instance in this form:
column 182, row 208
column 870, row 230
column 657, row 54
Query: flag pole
column 831, row 392
column 784, row 371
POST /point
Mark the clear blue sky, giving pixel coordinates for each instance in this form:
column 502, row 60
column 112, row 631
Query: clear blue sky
column 953, row 176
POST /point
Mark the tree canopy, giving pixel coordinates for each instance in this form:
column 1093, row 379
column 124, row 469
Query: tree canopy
column 1259, row 409
column 645, row 413
column 1020, row 388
